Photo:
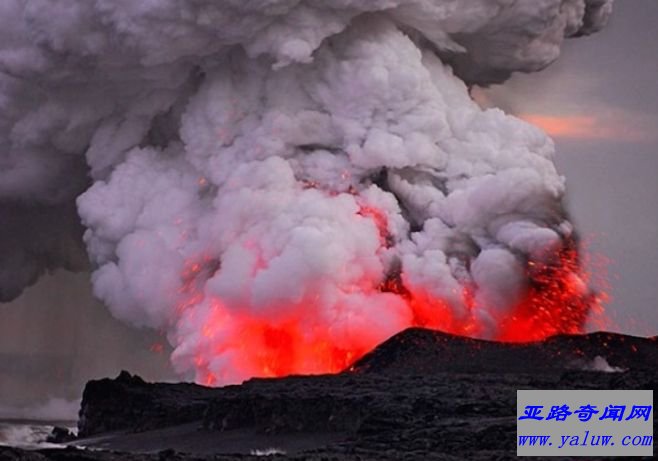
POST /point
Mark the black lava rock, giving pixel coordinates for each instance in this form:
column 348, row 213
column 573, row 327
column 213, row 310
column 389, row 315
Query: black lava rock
column 421, row 395
column 60, row 435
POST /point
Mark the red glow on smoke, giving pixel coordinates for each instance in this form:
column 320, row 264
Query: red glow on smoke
column 267, row 347
column 557, row 301
column 430, row 312
column 380, row 221
column 284, row 340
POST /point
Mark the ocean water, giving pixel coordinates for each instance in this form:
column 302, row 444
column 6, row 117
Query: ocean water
column 30, row 434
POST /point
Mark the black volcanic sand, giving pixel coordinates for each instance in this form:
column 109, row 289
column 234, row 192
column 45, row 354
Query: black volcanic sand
column 421, row 395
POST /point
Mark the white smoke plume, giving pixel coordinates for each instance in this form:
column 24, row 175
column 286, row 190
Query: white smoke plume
column 280, row 184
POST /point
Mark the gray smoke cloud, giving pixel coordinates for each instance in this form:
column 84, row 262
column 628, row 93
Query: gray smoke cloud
column 37, row 238
column 279, row 159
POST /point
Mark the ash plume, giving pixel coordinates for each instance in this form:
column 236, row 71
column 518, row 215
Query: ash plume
column 281, row 184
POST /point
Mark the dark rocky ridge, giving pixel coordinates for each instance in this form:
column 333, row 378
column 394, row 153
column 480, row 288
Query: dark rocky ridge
column 421, row 351
column 420, row 395
column 130, row 403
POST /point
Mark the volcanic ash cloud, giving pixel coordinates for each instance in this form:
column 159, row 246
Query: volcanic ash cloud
column 279, row 185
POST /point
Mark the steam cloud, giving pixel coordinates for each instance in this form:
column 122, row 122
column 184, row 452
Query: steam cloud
column 282, row 180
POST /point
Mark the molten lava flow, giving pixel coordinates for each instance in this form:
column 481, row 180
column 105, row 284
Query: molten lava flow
column 300, row 339
column 271, row 347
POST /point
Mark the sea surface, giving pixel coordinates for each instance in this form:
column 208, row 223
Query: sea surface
column 30, row 434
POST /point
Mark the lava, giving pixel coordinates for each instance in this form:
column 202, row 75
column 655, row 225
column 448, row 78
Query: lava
column 262, row 346
column 557, row 301
column 283, row 340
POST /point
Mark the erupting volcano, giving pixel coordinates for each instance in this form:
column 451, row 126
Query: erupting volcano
column 281, row 185
column 555, row 301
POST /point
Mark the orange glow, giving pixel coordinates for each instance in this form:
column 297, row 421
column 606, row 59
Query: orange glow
column 301, row 339
column 568, row 126
column 607, row 125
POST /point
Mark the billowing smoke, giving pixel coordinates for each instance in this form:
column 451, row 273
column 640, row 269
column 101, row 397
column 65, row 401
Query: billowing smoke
column 281, row 184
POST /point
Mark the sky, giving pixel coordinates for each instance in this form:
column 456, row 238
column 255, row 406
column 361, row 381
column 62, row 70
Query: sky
column 599, row 102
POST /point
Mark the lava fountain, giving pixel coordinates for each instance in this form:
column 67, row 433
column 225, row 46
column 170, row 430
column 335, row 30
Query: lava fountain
column 280, row 185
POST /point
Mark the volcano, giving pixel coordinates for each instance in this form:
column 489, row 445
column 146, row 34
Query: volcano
column 422, row 394
column 306, row 198
column 278, row 186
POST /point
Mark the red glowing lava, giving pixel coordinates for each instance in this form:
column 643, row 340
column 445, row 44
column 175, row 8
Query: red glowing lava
column 266, row 347
column 238, row 343
column 558, row 299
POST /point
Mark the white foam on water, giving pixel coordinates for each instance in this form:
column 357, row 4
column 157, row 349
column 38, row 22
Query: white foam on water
column 27, row 435
column 267, row 452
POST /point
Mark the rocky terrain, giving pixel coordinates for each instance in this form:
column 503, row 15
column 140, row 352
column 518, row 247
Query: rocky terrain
column 420, row 395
